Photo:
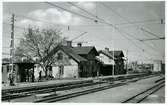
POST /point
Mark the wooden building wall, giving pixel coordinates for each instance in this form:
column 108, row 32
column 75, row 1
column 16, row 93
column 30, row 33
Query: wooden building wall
column 68, row 64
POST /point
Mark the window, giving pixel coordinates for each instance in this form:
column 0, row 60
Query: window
column 2, row 68
column 8, row 69
column 60, row 56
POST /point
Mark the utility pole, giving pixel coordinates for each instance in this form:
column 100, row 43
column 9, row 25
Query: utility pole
column 11, row 75
column 114, row 63
column 127, row 62
column 113, row 54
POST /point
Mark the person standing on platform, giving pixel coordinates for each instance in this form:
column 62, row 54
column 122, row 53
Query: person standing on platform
column 40, row 76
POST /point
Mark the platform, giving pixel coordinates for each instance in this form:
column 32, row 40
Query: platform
column 28, row 85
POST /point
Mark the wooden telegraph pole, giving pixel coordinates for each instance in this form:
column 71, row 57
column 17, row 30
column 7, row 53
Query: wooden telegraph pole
column 11, row 75
column 113, row 71
column 127, row 62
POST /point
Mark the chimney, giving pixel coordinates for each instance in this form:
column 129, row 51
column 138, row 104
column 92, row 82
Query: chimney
column 79, row 44
column 69, row 43
column 106, row 48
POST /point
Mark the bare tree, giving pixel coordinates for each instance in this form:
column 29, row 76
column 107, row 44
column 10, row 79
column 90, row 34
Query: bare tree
column 38, row 43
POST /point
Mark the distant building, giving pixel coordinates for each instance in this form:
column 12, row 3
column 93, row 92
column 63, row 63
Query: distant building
column 157, row 66
column 119, row 62
column 110, row 59
column 163, row 68
column 107, row 62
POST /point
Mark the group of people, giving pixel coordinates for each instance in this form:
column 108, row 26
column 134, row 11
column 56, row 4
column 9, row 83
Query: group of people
column 30, row 75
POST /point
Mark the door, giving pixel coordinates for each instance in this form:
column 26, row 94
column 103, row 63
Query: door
column 61, row 71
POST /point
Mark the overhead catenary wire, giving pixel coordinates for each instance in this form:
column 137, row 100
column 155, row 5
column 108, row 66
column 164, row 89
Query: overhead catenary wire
column 139, row 22
column 120, row 31
column 91, row 14
column 40, row 20
column 132, row 24
column 87, row 17
column 61, row 8
column 79, row 36
column 124, row 18
column 110, row 24
column 57, row 24
column 70, row 11
column 15, row 26
column 152, row 39
column 129, row 23
column 140, row 28
column 44, row 21
column 132, row 35
column 97, row 17
column 27, row 28
column 101, row 20
column 116, row 27
column 150, row 33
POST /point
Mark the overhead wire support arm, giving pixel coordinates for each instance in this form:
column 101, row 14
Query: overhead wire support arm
column 138, row 22
column 161, row 38
column 150, row 33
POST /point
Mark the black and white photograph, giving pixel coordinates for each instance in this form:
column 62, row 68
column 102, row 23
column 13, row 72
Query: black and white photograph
column 83, row 52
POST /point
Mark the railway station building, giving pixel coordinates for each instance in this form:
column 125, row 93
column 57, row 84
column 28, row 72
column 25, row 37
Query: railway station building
column 74, row 62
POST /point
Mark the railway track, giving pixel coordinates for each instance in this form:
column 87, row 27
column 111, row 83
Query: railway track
column 55, row 97
column 41, row 87
column 143, row 95
column 10, row 96
column 119, row 81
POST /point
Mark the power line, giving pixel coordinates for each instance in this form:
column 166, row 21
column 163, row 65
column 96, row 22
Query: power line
column 69, row 11
column 161, row 38
column 139, row 22
column 44, row 21
column 98, row 18
column 81, row 8
column 102, row 20
column 151, row 39
column 124, row 19
column 79, row 36
column 127, row 19
column 15, row 38
column 89, row 17
column 18, row 15
column 56, row 25
column 131, row 41
column 40, row 20
column 82, row 15
column 150, row 33
column 15, row 26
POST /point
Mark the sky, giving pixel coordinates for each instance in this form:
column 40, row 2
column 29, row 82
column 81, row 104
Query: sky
column 128, row 18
